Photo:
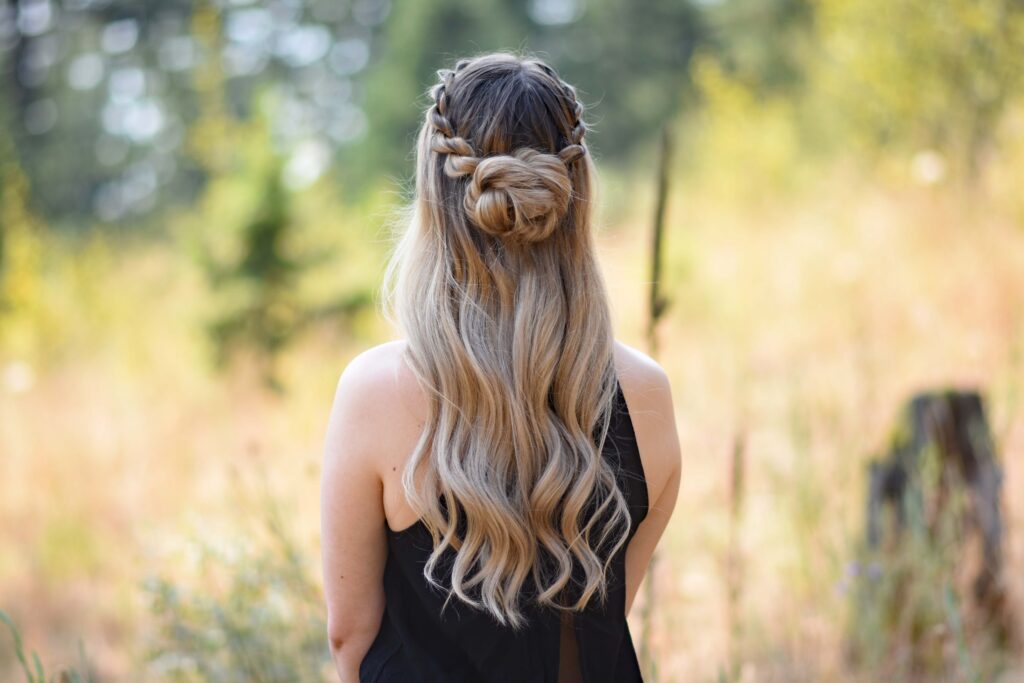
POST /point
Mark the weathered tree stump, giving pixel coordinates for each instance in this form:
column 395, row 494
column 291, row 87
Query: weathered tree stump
column 943, row 449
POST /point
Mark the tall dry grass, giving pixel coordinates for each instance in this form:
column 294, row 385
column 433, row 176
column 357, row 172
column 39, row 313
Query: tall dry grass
column 798, row 324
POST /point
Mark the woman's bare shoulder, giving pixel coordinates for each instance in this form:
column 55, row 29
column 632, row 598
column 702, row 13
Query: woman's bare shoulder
column 382, row 378
column 378, row 397
column 648, row 394
column 380, row 370
column 372, row 373
column 637, row 368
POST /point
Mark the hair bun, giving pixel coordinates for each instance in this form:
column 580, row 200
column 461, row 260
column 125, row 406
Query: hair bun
column 522, row 196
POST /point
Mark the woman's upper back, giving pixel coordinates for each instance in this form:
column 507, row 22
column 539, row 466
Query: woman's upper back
column 403, row 405
column 419, row 638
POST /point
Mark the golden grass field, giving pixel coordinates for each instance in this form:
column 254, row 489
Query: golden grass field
column 797, row 327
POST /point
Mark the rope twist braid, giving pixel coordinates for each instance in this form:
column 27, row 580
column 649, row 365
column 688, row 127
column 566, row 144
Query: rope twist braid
column 522, row 196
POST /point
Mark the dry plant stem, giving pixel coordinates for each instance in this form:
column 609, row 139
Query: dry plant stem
column 657, row 304
column 734, row 563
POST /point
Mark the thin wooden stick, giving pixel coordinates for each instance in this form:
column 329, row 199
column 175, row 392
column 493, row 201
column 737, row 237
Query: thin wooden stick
column 657, row 302
column 656, row 308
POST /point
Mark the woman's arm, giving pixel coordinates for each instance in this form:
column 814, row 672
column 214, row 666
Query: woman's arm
column 353, row 525
column 653, row 416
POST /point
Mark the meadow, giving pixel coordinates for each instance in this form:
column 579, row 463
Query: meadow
column 844, row 229
column 797, row 327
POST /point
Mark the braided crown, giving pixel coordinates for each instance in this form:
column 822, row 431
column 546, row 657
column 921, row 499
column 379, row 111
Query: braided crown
column 521, row 196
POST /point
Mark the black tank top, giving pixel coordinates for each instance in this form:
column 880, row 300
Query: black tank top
column 417, row 644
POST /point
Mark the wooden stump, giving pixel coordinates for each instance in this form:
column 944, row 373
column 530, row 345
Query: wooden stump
column 944, row 448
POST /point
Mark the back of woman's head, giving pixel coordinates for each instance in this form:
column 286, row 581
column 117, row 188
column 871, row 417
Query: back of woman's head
column 510, row 135
column 496, row 286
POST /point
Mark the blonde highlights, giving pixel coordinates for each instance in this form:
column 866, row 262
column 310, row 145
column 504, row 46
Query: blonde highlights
column 496, row 286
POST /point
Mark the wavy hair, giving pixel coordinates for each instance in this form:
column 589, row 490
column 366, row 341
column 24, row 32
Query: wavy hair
column 496, row 286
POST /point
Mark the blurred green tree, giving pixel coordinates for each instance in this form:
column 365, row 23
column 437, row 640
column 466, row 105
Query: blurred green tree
column 921, row 74
column 765, row 43
column 21, row 251
column 627, row 59
column 259, row 310
column 108, row 98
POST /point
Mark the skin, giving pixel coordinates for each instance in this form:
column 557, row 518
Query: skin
column 375, row 422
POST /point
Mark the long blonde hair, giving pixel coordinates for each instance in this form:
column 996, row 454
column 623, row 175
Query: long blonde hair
column 496, row 286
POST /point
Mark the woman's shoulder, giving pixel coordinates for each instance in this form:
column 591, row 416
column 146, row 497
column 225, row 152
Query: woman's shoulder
column 380, row 403
column 377, row 358
column 644, row 382
column 636, row 367
column 381, row 379
column 648, row 393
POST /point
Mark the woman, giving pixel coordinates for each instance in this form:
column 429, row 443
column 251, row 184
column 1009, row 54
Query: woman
column 494, row 485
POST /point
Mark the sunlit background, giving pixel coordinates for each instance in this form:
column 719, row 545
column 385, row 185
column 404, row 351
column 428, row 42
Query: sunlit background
column 195, row 209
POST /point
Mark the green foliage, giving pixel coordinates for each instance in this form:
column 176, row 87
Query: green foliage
column 122, row 109
column 32, row 666
column 741, row 144
column 264, row 247
column 911, row 74
column 260, row 310
column 873, row 75
column 766, row 42
column 21, row 251
column 627, row 59
column 252, row 614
